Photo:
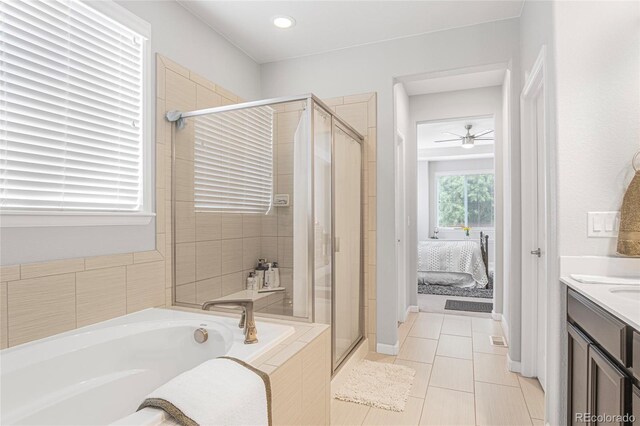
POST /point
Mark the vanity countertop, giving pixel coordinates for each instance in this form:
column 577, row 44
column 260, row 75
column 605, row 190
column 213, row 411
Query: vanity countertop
column 625, row 308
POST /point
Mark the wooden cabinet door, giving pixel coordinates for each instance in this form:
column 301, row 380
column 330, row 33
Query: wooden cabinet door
column 607, row 388
column 578, row 378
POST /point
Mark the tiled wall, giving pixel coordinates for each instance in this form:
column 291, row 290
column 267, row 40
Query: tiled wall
column 38, row 300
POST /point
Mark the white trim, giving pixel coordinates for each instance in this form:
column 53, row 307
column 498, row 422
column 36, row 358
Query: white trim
column 536, row 84
column 513, row 366
column 388, row 349
column 496, row 316
column 413, row 308
column 55, row 219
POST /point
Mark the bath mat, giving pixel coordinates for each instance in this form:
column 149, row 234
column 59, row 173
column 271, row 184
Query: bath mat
column 463, row 305
column 378, row 384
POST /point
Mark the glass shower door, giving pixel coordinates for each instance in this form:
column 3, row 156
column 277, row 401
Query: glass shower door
column 347, row 319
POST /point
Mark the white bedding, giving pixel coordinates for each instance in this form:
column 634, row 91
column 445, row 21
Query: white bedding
column 455, row 257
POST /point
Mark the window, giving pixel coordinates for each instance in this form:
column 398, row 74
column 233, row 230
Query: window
column 234, row 161
column 465, row 200
column 74, row 127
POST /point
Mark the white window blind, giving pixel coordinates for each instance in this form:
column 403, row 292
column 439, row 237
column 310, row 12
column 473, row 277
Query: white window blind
column 234, row 161
column 71, row 95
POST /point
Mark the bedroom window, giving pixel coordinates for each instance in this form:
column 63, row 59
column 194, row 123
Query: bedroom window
column 465, row 200
column 75, row 127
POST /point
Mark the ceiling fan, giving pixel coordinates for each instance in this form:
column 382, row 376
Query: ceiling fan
column 468, row 140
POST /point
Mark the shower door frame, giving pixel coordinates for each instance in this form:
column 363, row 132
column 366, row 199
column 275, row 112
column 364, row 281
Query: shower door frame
column 310, row 100
column 336, row 364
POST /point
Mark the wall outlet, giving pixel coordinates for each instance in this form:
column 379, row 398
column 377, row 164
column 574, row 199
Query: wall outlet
column 603, row 224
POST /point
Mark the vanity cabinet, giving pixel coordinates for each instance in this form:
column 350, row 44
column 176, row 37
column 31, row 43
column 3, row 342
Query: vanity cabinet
column 601, row 366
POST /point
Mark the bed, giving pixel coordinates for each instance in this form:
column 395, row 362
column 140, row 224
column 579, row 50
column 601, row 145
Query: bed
column 458, row 263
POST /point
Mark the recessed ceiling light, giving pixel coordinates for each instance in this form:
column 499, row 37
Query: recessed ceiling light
column 283, row 21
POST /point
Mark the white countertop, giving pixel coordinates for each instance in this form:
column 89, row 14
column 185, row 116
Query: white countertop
column 627, row 310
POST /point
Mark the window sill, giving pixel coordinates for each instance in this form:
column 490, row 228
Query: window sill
column 48, row 219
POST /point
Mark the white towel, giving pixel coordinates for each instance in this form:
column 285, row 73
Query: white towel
column 222, row 391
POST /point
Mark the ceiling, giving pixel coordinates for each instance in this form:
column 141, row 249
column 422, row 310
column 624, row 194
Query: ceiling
column 323, row 26
column 430, row 132
column 449, row 83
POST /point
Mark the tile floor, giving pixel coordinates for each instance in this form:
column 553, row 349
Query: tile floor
column 460, row 378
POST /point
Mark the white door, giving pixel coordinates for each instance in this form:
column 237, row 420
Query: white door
column 541, row 237
column 401, row 228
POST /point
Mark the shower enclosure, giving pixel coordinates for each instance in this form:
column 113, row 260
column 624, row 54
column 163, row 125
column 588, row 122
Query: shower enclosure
column 278, row 180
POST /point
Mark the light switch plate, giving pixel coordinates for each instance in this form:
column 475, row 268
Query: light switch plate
column 281, row 200
column 603, row 224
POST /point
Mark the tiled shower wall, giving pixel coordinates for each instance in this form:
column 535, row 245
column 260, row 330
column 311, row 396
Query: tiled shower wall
column 39, row 300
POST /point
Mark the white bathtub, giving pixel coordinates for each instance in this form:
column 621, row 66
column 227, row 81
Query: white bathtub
column 101, row 373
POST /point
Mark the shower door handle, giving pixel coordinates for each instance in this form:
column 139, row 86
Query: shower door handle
column 336, row 245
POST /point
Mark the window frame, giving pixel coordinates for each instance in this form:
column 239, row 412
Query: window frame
column 33, row 218
column 437, row 176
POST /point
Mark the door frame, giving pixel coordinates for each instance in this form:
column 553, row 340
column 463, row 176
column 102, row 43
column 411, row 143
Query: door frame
column 401, row 224
column 536, row 85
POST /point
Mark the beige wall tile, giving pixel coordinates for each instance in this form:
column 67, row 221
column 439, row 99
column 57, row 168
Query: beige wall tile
column 232, row 256
column 354, row 99
column 251, row 251
column 287, row 124
column 207, row 98
column 227, row 94
column 100, row 295
column 270, row 224
column 285, row 252
column 356, row 115
column 208, row 226
column 173, row 66
column 160, row 77
column 334, row 101
column 108, row 261
column 145, row 286
column 208, row 259
column 286, row 385
column 147, row 256
column 372, row 111
column 185, row 222
column 57, row 267
column 371, row 179
column 269, row 248
column 3, row 316
column 231, row 226
column 198, row 79
column 184, row 180
column 185, row 263
column 251, row 225
column 180, row 92
column 232, row 283
column 41, row 307
column 208, row 289
column 9, row 273
column 186, row 293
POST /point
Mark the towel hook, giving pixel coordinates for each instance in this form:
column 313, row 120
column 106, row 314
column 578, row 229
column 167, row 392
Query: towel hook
column 633, row 162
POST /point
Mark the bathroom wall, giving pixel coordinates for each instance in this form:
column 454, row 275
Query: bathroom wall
column 372, row 68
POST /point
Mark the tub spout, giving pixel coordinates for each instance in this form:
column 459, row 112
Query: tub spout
column 246, row 320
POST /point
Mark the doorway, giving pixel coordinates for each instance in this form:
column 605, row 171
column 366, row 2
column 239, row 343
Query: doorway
column 535, row 202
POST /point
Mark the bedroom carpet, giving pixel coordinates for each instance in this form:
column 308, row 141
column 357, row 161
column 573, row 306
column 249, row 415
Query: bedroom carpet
column 463, row 305
column 485, row 293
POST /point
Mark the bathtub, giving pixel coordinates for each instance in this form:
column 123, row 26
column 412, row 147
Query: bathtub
column 99, row 374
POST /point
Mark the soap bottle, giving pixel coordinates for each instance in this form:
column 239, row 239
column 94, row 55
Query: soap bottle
column 276, row 275
column 260, row 273
column 251, row 281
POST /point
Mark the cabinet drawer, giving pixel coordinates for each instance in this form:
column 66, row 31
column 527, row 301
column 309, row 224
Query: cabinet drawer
column 603, row 328
column 635, row 356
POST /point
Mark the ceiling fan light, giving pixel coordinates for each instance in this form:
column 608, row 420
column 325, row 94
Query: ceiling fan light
column 467, row 142
column 467, row 145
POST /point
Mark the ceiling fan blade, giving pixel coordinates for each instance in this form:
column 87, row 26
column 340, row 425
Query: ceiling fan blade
column 448, row 140
column 482, row 133
column 455, row 134
column 482, row 139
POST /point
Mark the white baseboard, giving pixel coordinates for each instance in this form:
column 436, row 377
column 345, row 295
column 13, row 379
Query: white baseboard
column 512, row 365
column 413, row 308
column 388, row 349
column 496, row 316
